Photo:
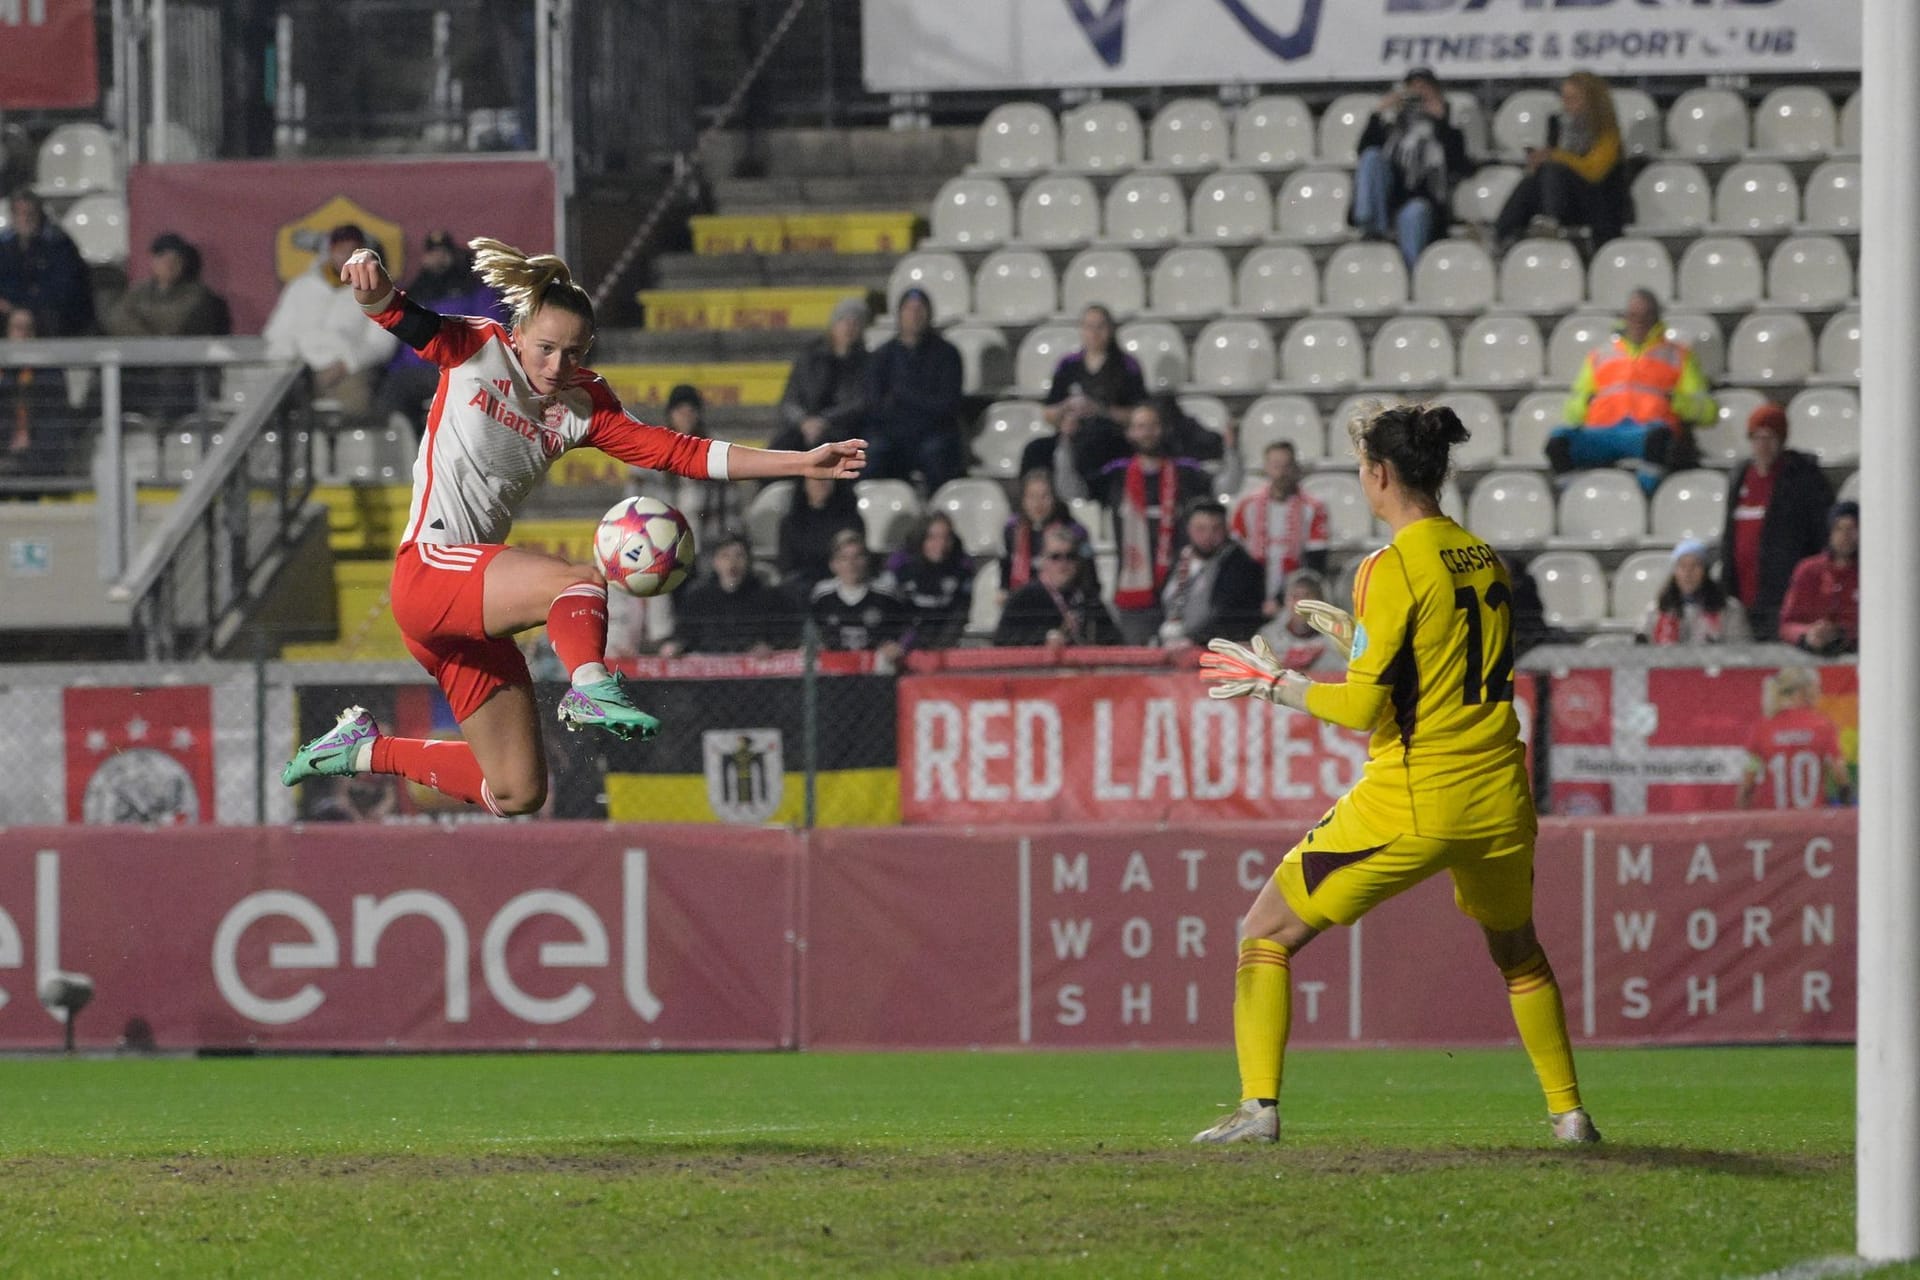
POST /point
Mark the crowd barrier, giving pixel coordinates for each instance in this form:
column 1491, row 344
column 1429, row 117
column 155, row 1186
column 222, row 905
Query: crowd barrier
column 545, row 935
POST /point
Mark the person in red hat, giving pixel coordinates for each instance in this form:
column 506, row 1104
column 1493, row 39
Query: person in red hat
column 1776, row 517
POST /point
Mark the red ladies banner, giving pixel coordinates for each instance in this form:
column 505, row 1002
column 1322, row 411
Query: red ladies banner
column 47, row 55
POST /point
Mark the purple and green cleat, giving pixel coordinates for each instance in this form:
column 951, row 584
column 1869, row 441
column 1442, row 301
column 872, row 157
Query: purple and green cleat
column 605, row 704
column 331, row 755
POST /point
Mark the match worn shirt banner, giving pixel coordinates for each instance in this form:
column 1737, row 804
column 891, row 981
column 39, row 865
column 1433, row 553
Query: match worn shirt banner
column 921, row 45
column 47, row 55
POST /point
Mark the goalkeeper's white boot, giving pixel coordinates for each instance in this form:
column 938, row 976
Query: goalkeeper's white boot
column 1574, row 1126
column 1249, row 1122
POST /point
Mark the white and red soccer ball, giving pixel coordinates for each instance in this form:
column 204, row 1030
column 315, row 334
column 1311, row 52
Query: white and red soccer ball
column 644, row 547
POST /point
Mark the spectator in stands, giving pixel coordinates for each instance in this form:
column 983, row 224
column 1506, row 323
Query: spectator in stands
column 172, row 302
column 1282, row 528
column 1059, row 606
column 1692, row 608
column 1411, row 156
column 36, row 423
column 1580, row 179
column 1040, row 510
column 317, row 320
column 1216, row 588
column 446, row 283
column 934, row 576
column 851, row 612
column 705, row 503
column 1299, row 645
column 826, row 395
column 1636, row 397
column 822, row 510
column 729, row 610
column 913, row 401
column 1146, row 494
column 42, row 271
column 1777, row 505
column 1092, row 391
column 1822, row 609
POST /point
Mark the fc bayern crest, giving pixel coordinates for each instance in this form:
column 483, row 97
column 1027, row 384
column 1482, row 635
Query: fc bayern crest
column 745, row 773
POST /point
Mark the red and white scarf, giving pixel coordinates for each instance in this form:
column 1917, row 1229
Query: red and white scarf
column 1139, row 581
column 1671, row 626
column 1277, row 544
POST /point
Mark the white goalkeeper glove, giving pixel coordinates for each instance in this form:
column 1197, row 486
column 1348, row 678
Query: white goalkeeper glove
column 1329, row 620
column 1242, row 672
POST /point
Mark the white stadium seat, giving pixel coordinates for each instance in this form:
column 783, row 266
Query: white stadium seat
column 1796, row 120
column 1725, row 441
column 1623, row 265
column 1059, row 209
column 1501, row 351
column 1453, row 276
column 1161, row 351
column 1146, row 208
column 1573, row 588
column 1006, row 429
column 1832, row 196
column 1233, row 355
column 1271, row 419
column 1756, row 195
column 1110, row 277
column 98, row 225
column 1532, row 420
column 1364, row 278
column 1486, row 429
column 1341, row 125
column 1825, row 421
column 1231, row 206
column 1092, row 516
column 1511, row 509
column 1521, row 121
column 1313, row 205
column 1188, row 134
column 973, row 212
column 1480, row 197
column 1720, row 273
column 1194, row 281
column 942, row 275
column 764, row 514
column 1672, row 197
column 1464, row 113
column 1810, row 272
column 985, row 363
column 1840, row 347
column 77, row 158
column 1277, row 280
column 1273, row 132
column 1573, row 337
column 1702, row 333
column 1017, row 137
column 1209, row 411
column 1349, row 522
column 1041, row 351
column 1412, row 351
column 888, row 509
column 1637, row 583
column 1849, row 489
column 1542, row 275
column 1690, row 504
column 1602, row 508
column 979, row 511
column 1101, row 137
column 1639, row 118
column 1775, row 346
column 1707, row 124
column 983, row 614
column 1323, row 352
column 1850, row 124
column 1015, row 286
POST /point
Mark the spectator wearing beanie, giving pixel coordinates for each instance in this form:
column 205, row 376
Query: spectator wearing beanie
column 1691, row 608
column 1822, row 609
column 1776, row 517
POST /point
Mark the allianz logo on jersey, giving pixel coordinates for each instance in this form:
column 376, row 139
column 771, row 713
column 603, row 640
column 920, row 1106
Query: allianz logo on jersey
column 496, row 407
column 1264, row 20
column 746, row 773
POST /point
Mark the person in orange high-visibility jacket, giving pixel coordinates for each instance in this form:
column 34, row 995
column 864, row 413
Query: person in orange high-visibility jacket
column 1636, row 397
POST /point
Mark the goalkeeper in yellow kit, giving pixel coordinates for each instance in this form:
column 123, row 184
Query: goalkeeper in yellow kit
column 1445, row 787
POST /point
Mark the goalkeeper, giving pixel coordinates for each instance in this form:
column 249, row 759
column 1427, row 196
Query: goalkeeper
column 1430, row 672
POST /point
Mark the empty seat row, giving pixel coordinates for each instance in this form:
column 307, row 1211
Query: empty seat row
column 1577, row 593
column 888, row 509
column 1143, row 208
column 1752, row 196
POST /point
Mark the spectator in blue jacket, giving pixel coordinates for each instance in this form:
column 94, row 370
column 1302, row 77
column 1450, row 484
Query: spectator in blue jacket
column 913, row 401
column 446, row 283
column 41, row 270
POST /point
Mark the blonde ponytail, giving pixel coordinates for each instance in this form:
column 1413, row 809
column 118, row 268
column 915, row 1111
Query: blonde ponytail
column 527, row 284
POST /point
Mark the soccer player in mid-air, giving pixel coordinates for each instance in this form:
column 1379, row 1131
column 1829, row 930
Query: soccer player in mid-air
column 1445, row 786
column 509, row 402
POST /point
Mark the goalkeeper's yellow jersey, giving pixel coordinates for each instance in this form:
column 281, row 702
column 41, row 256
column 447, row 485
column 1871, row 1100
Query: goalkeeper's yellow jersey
column 1434, row 634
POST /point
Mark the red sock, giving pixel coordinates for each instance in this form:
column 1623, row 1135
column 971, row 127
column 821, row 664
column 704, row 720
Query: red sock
column 448, row 767
column 577, row 625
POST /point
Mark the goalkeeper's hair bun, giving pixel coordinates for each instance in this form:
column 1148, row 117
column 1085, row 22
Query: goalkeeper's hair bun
column 1417, row 439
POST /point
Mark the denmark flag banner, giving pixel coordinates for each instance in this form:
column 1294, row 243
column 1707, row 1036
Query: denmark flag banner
column 47, row 55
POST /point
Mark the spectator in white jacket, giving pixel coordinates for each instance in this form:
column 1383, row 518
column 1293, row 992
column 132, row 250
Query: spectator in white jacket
column 317, row 320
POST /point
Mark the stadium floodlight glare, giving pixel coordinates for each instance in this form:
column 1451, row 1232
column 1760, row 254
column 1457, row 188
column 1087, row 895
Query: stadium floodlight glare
column 66, row 994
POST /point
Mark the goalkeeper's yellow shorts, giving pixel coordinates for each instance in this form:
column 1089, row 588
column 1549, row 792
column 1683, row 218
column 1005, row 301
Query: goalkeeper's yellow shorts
column 1341, row 870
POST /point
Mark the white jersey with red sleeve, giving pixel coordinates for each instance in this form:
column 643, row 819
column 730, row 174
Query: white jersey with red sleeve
column 490, row 438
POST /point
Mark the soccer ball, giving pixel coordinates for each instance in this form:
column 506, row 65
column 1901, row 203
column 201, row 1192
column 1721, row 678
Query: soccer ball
column 644, row 546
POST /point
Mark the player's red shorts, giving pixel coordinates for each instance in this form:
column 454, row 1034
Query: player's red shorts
column 438, row 598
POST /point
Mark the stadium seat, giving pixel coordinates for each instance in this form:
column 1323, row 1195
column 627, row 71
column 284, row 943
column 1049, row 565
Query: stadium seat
column 986, row 365
column 1756, row 195
column 1840, row 347
column 1341, row 125
column 1146, row 208
column 1602, row 508
column 1511, row 509
column 764, row 514
column 1637, row 583
column 1093, row 517
column 1850, row 125
column 1707, row 124
column 1542, row 275
column 1810, row 272
column 1849, row 489
column 1521, row 120
column 1161, row 351
column 1188, row 134
column 1463, row 111
column 1453, row 276
column 983, row 614
column 1702, row 333
column 1324, row 352
column 1110, row 277
column 77, row 158
column 1720, row 273
column 942, row 275
column 1486, row 429
column 1018, row 138
column 1795, row 120
column 979, row 511
column 973, row 212
column 1479, row 198
column 1273, row 132
column 1192, row 282
column 1825, row 421
column 1274, row 418
column 1059, row 210
column 1006, row 429
column 1501, row 351
column 1101, row 137
column 1015, row 286
column 98, row 225
column 1725, row 441
column 1532, row 420
column 1277, row 280
column 888, row 509
column 1209, row 411
column 1690, row 504
column 1412, row 351
column 1623, row 265
column 1573, row 589
column 1233, row 355
column 1639, row 118
column 1365, row 278
column 1770, row 346
column 1313, row 205
column 1833, row 197
column 1349, row 521
column 1231, row 206
column 1672, row 197
column 1573, row 337
column 1041, row 351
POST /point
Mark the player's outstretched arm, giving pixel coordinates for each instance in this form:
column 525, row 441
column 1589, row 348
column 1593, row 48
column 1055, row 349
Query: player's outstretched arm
column 367, row 276
column 835, row 460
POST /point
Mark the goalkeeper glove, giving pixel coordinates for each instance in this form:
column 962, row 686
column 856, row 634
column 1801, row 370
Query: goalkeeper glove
column 1242, row 672
column 1328, row 620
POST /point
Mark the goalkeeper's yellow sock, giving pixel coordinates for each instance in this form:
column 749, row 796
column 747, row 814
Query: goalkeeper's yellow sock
column 1262, row 1012
column 1542, row 1022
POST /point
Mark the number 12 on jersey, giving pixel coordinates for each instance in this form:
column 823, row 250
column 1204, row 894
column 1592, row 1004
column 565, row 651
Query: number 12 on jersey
column 1498, row 686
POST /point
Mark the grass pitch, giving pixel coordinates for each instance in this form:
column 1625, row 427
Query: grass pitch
column 1722, row 1162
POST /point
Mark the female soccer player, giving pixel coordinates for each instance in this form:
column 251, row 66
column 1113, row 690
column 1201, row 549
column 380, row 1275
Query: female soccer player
column 509, row 402
column 1430, row 672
